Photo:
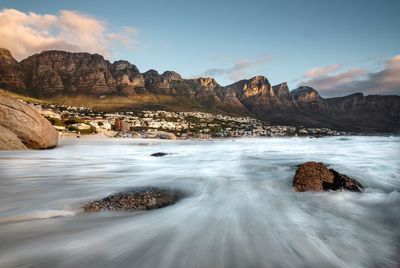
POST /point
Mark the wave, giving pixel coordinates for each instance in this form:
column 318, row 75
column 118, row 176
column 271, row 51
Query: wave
column 37, row 215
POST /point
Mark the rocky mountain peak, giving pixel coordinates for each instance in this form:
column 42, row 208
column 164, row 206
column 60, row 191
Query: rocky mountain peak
column 6, row 57
column 307, row 97
column 171, row 76
column 281, row 90
column 123, row 65
column 153, row 80
column 11, row 73
column 258, row 85
column 151, row 73
column 207, row 82
column 258, row 80
column 305, row 92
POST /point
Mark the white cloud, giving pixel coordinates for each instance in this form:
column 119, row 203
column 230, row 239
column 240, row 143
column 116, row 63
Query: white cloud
column 239, row 69
column 319, row 71
column 28, row 33
column 331, row 83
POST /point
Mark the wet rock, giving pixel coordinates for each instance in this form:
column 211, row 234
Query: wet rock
column 315, row 176
column 343, row 182
column 27, row 124
column 158, row 154
column 161, row 135
column 139, row 199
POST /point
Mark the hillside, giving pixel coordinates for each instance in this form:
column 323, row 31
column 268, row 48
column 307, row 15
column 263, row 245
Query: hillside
column 83, row 79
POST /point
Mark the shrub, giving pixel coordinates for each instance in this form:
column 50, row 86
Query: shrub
column 71, row 121
column 55, row 121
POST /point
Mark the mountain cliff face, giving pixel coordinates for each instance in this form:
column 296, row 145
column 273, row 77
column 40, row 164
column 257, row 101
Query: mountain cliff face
column 60, row 73
column 11, row 73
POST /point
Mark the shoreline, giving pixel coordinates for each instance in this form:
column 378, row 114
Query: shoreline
column 103, row 136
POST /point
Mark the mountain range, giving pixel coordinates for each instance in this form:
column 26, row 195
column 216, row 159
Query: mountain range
column 77, row 78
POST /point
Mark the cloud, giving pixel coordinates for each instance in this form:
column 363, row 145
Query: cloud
column 239, row 69
column 28, row 33
column 319, row 71
column 331, row 83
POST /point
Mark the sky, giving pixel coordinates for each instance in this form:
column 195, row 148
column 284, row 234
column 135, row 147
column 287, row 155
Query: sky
column 338, row 47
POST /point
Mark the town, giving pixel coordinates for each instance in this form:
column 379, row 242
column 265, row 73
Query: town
column 69, row 120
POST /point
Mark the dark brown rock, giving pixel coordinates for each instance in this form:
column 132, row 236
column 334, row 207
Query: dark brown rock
column 313, row 176
column 140, row 199
column 158, row 154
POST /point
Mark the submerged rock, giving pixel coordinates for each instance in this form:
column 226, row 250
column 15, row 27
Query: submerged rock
column 139, row 199
column 315, row 176
column 158, row 154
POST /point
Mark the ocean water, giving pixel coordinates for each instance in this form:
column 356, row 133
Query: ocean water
column 240, row 210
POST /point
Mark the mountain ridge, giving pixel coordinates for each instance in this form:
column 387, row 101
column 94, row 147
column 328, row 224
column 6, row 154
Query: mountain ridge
column 60, row 74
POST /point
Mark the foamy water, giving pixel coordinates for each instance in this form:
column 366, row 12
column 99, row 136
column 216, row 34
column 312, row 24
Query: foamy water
column 240, row 212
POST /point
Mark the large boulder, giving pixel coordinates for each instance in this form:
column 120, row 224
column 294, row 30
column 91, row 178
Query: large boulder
column 9, row 141
column 315, row 176
column 27, row 124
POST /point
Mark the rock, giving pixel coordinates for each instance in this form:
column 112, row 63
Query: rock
column 27, row 124
column 162, row 135
column 139, row 199
column 11, row 74
column 308, row 98
column 313, row 176
column 281, row 90
column 158, row 154
column 154, row 81
column 136, row 135
column 171, row 76
column 9, row 141
column 343, row 182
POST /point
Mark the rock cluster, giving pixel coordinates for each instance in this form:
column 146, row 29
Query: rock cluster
column 139, row 199
column 315, row 176
column 22, row 126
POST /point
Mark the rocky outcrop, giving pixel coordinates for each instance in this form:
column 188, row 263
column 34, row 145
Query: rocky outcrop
column 32, row 129
column 307, row 98
column 314, row 176
column 281, row 91
column 59, row 73
column 140, row 199
column 128, row 79
column 161, row 135
column 171, row 76
column 260, row 98
column 9, row 141
column 11, row 74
